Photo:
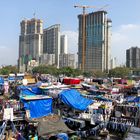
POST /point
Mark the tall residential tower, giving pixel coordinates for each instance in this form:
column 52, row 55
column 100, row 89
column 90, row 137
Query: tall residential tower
column 51, row 42
column 30, row 42
column 133, row 57
column 64, row 44
column 97, row 41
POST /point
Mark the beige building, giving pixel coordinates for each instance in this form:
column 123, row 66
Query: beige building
column 48, row 59
column 30, row 42
column 67, row 60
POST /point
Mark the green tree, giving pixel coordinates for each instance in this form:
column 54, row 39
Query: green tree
column 87, row 74
column 42, row 69
column 77, row 72
column 67, row 71
column 4, row 71
column 119, row 72
column 99, row 74
column 8, row 69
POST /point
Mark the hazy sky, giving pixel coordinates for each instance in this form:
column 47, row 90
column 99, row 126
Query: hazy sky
column 125, row 15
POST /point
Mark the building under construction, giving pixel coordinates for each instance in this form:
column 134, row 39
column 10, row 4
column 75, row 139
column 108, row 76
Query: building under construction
column 94, row 45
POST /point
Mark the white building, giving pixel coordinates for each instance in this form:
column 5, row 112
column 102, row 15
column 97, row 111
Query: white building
column 113, row 63
column 67, row 60
column 48, row 59
column 64, row 44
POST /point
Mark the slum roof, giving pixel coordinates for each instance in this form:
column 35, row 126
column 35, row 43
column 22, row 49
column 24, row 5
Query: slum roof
column 52, row 124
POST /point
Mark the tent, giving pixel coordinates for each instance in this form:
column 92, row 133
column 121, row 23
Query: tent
column 38, row 105
column 30, row 90
column 1, row 80
column 136, row 99
column 11, row 79
column 52, row 124
column 74, row 99
column 71, row 81
column 130, row 98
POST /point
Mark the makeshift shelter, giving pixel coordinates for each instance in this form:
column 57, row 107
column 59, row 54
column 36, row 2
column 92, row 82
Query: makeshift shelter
column 74, row 99
column 52, row 124
column 71, row 81
column 1, row 80
column 38, row 106
column 136, row 99
column 30, row 90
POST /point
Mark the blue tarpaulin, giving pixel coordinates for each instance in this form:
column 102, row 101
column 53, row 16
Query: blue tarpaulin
column 38, row 108
column 74, row 99
column 1, row 80
column 30, row 90
column 11, row 78
column 130, row 98
column 136, row 99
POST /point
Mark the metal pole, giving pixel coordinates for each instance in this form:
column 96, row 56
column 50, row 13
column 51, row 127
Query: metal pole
column 83, row 41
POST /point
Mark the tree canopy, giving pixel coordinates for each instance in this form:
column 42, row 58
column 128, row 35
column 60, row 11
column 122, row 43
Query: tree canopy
column 67, row 71
column 119, row 72
column 8, row 69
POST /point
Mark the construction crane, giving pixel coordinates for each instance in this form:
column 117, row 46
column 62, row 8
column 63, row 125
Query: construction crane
column 83, row 33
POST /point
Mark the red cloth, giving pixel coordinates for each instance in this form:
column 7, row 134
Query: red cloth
column 71, row 81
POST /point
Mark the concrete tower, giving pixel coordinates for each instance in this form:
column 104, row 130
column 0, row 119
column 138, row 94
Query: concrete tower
column 30, row 42
column 51, row 42
column 97, row 41
column 64, row 44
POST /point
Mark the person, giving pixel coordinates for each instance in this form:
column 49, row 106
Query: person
column 6, row 87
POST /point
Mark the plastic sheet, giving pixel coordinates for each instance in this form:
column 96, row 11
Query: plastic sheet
column 74, row 99
column 38, row 108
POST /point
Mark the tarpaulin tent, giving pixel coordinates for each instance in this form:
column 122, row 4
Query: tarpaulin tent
column 30, row 90
column 71, row 81
column 137, row 99
column 1, row 80
column 130, row 98
column 39, row 105
column 74, row 99
column 11, row 78
column 52, row 124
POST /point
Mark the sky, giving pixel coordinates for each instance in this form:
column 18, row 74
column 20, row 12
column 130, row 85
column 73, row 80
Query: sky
column 125, row 16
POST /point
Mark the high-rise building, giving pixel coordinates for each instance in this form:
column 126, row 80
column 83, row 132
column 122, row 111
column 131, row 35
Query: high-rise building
column 30, row 42
column 67, row 60
column 113, row 63
column 64, row 44
column 48, row 59
column 133, row 57
column 51, row 41
column 97, row 38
